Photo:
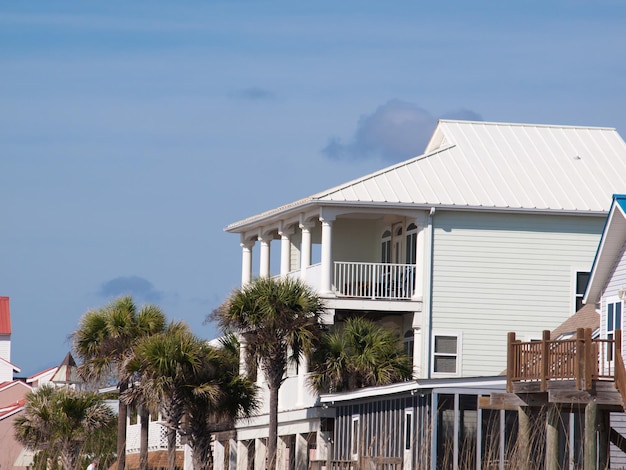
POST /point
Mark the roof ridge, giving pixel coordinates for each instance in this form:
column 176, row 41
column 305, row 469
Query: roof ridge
column 526, row 124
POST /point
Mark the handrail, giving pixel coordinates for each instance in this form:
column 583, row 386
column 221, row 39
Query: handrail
column 374, row 280
column 620, row 371
column 582, row 359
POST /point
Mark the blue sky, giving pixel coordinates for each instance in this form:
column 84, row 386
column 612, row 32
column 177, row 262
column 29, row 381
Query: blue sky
column 132, row 133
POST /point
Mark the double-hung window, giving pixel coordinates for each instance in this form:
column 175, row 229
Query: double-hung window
column 446, row 354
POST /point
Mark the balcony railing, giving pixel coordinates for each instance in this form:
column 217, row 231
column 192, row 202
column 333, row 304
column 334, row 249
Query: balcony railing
column 581, row 359
column 375, row 280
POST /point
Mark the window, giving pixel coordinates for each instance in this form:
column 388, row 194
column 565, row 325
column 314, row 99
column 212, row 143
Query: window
column 355, row 438
column 408, row 429
column 409, row 343
column 132, row 414
column 385, row 256
column 446, row 354
column 613, row 322
column 411, row 244
column 581, row 285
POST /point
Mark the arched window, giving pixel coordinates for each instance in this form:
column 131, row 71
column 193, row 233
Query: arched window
column 385, row 256
column 411, row 244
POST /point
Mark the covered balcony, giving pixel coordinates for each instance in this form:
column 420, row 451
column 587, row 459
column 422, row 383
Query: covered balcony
column 361, row 256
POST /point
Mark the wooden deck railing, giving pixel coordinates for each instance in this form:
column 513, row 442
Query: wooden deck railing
column 581, row 359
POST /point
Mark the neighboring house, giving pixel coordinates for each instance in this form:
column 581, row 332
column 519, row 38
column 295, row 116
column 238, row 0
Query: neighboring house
column 606, row 292
column 607, row 283
column 157, row 443
column 12, row 400
column 493, row 229
column 12, row 392
column 6, row 368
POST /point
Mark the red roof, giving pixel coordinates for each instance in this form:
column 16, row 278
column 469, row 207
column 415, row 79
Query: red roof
column 5, row 316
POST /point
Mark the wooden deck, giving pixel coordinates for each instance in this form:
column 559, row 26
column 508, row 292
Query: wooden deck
column 572, row 371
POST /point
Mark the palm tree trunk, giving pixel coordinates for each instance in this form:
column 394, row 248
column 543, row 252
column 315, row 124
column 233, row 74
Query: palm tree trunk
column 272, row 436
column 121, row 429
column 144, row 417
column 171, row 449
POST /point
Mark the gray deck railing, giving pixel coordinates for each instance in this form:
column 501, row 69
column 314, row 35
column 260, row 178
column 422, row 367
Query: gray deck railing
column 375, row 280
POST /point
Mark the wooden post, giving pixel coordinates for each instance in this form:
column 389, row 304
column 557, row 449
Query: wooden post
column 618, row 343
column 552, row 437
column 545, row 359
column 603, row 440
column 591, row 449
column 591, row 360
column 510, row 362
column 523, row 437
column 580, row 358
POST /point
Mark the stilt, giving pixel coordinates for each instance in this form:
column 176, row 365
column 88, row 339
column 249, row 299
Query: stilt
column 591, row 449
column 523, row 437
column 603, row 440
column 552, row 438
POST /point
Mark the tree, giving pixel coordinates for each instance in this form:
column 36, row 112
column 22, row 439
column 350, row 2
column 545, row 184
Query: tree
column 279, row 320
column 217, row 396
column 105, row 341
column 360, row 354
column 166, row 363
column 60, row 421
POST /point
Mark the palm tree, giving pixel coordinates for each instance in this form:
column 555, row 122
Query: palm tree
column 360, row 354
column 166, row 362
column 60, row 421
column 105, row 341
column 217, row 396
column 280, row 321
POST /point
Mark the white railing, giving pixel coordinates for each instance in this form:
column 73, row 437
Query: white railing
column 375, row 280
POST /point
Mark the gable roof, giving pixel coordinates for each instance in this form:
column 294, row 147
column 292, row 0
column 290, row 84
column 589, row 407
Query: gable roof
column 490, row 166
column 9, row 364
column 5, row 316
column 585, row 317
column 13, row 383
column 11, row 409
column 611, row 243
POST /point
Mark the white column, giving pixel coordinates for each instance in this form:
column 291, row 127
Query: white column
column 305, row 249
column 302, row 451
column 323, row 445
column 246, row 262
column 417, row 353
column 264, row 268
column 188, row 455
column 232, row 454
column 242, row 455
column 218, row 456
column 327, row 255
column 260, row 449
column 285, row 250
column 243, row 366
column 421, row 258
column 281, row 453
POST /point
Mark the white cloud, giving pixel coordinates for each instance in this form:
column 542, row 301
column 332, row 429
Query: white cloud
column 395, row 131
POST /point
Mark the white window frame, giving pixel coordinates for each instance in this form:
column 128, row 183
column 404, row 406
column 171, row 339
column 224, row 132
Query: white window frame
column 575, row 294
column 610, row 333
column 411, row 243
column 355, row 436
column 459, row 349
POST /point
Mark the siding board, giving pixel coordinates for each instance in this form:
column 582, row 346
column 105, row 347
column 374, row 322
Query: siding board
column 494, row 273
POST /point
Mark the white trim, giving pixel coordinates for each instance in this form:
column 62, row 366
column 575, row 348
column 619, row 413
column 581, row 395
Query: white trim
column 459, row 350
column 355, row 425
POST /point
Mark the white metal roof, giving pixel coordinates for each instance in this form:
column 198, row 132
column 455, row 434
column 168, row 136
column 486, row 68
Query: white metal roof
column 486, row 165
